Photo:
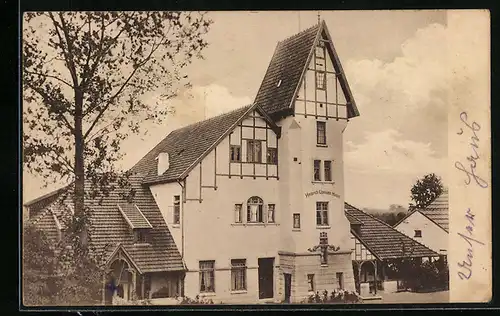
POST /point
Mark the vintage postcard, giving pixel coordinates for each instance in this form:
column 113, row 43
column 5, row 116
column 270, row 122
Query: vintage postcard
column 280, row 158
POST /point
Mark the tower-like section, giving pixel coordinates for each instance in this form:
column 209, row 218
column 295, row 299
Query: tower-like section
column 312, row 102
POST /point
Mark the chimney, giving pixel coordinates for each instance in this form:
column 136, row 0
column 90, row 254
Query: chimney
column 163, row 163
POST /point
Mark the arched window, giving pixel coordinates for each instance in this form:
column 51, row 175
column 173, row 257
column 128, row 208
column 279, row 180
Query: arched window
column 255, row 210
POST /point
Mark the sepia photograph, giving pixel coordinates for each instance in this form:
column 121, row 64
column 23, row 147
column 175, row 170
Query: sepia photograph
column 177, row 158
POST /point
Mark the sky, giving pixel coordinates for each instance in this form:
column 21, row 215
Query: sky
column 396, row 65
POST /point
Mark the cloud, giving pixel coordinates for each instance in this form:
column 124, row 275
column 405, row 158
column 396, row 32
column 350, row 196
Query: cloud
column 192, row 105
column 386, row 152
column 408, row 94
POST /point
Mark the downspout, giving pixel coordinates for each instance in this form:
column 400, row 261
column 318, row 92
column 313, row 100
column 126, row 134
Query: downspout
column 183, row 195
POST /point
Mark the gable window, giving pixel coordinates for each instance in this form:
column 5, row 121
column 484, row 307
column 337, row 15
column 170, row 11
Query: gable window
column 310, row 282
column 320, row 80
column 238, row 275
column 254, row 151
column 322, row 213
column 177, row 209
column 340, row 280
column 296, row 220
column 270, row 213
column 237, row 213
column 328, row 170
column 141, row 236
column 317, row 170
column 418, row 233
column 235, row 153
column 254, row 210
column 321, row 133
column 207, row 276
column 272, row 155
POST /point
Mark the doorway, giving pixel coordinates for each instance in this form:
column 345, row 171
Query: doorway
column 266, row 278
column 288, row 286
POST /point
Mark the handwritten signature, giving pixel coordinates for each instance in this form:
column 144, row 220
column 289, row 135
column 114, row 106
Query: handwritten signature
column 466, row 265
column 471, row 173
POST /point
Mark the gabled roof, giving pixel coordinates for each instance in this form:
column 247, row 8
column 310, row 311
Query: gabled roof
column 188, row 145
column 289, row 63
column 437, row 211
column 108, row 228
column 133, row 216
column 383, row 241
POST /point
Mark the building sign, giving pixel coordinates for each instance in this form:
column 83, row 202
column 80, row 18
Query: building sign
column 322, row 192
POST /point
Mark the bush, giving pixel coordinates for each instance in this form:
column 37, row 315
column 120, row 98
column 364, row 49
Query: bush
column 339, row 296
column 196, row 301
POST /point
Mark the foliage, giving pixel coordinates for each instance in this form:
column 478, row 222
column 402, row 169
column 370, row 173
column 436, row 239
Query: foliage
column 196, row 301
column 425, row 190
column 54, row 273
column 390, row 217
column 84, row 76
column 421, row 276
column 338, row 296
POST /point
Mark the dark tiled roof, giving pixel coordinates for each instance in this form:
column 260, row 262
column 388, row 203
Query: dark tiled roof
column 186, row 145
column 287, row 64
column 290, row 59
column 382, row 240
column 134, row 216
column 108, row 229
column 437, row 211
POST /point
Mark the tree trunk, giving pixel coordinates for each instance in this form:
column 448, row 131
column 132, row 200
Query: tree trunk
column 79, row 199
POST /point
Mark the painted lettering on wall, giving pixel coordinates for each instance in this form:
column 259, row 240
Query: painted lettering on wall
column 309, row 194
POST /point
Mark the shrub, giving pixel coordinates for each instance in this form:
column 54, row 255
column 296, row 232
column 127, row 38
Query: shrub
column 338, row 296
column 196, row 301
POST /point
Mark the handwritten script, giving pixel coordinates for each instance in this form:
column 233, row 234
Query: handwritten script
column 465, row 267
column 470, row 170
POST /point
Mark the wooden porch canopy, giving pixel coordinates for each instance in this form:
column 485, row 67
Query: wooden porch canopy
column 376, row 240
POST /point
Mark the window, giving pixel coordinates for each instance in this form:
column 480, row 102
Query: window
column 310, row 282
column 418, row 233
column 270, row 213
column 328, row 170
column 207, row 276
column 321, row 133
column 177, row 209
column 317, row 170
column 141, row 236
column 320, row 51
column 322, row 213
column 254, row 151
column 254, row 210
column 320, row 80
column 237, row 213
column 340, row 280
column 272, row 155
column 296, row 220
column 235, row 152
column 238, row 275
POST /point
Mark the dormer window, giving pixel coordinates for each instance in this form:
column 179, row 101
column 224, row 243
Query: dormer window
column 141, row 236
column 136, row 220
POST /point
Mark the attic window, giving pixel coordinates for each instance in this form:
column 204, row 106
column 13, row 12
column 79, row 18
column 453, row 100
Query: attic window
column 279, row 83
column 141, row 236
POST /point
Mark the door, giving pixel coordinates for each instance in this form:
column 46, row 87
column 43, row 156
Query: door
column 288, row 286
column 266, row 278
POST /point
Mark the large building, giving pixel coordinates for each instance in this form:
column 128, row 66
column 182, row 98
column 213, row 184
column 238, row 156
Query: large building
column 247, row 206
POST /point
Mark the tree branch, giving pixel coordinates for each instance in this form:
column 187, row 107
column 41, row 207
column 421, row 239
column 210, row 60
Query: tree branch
column 139, row 65
column 49, row 76
column 67, row 57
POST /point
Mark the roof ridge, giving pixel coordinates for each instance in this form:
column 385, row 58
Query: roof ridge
column 300, row 33
column 212, row 118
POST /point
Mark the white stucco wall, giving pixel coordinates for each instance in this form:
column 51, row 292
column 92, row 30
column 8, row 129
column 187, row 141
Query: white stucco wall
column 433, row 236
